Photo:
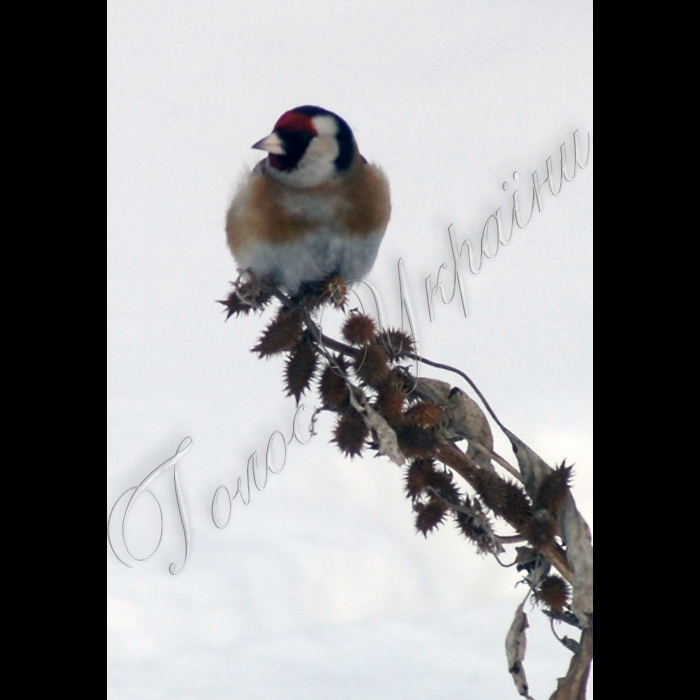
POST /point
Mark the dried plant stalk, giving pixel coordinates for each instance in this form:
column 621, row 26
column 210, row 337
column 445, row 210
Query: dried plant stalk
column 381, row 408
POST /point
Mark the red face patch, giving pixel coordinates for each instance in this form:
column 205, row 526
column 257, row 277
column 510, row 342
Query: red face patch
column 293, row 121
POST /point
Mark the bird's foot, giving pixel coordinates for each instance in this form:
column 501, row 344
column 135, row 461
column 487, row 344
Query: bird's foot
column 314, row 294
column 248, row 294
column 337, row 291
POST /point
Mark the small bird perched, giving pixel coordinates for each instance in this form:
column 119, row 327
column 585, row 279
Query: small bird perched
column 313, row 208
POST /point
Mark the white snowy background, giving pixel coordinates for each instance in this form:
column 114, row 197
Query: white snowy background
column 321, row 588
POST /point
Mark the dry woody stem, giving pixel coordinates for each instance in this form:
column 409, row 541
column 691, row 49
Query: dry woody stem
column 442, row 439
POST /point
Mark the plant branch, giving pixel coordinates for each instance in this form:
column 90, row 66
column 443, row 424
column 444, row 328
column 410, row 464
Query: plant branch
column 362, row 386
column 573, row 685
column 466, row 468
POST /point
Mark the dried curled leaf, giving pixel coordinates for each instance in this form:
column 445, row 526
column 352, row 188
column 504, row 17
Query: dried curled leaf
column 463, row 419
column 533, row 468
column 579, row 551
column 516, row 644
column 571, row 644
column 573, row 685
column 466, row 420
column 573, row 528
column 386, row 437
column 433, row 390
column 526, row 559
column 534, row 564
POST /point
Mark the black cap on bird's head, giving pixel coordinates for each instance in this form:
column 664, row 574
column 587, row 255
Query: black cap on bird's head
column 296, row 129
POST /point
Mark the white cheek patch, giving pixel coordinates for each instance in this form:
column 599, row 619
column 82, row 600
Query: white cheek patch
column 318, row 164
column 315, row 168
column 321, row 149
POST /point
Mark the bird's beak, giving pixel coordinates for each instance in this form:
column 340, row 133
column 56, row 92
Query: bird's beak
column 271, row 144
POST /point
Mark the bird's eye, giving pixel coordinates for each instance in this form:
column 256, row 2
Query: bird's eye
column 294, row 140
column 295, row 145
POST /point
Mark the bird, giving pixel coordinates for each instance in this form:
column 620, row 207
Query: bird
column 313, row 208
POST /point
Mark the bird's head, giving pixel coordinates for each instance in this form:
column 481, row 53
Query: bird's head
column 309, row 146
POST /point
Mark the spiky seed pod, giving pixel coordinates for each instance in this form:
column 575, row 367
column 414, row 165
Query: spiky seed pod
column 554, row 489
column 445, row 486
column 371, row 365
column 539, row 529
column 422, row 473
column 517, row 507
column 419, row 474
column 492, row 490
column 234, row 306
column 503, row 497
column 464, row 525
column 300, row 367
column 416, row 441
column 475, row 526
column 397, row 344
column 424, row 413
column 390, row 398
column 312, row 301
column 553, row 592
column 350, row 433
column 429, row 516
column 256, row 300
column 332, row 387
column 359, row 329
column 281, row 335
